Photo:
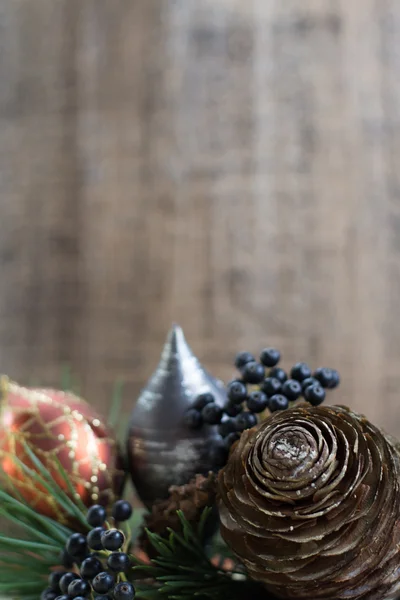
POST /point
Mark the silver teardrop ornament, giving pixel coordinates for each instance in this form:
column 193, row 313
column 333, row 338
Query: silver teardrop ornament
column 162, row 450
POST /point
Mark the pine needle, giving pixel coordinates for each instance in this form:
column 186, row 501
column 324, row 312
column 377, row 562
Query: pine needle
column 116, row 403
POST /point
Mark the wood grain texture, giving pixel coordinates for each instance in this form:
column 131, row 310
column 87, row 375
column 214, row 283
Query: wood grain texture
column 229, row 165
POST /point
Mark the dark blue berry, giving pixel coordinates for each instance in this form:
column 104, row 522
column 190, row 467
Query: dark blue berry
column 279, row 374
column 218, row 453
column 118, row 562
column 227, row 427
column 257, row 402
column 79, row 587
column 271, row 386
column 315, row 394
column 202, row 400
column 94, row 538
column 66, row 559
column 242, row 358
column 103, row 597
column 212, row 414
column 335, row 379
column 237, row 392
column 309, row 381
column 76, row 545
column 90, row 567
column 112, row 539
column 96, row 515
column 245, row 420
column 300, row 371
column 103, row 582
column 231, row 439
column 291, row 389
column 54, row 580
column 232, row 409
column 278, row 402
column 193, row 419
column 325, row 376
column 48, row 594
column 253, row 372
column 122, row 511
column 66, row 580
column 63, row 597
column 124, row 591
column 270, row 357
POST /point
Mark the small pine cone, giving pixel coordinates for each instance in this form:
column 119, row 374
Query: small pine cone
column 310, row 503
column 190, row 498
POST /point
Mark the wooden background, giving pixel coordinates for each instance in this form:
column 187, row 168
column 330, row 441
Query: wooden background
column 232, row 165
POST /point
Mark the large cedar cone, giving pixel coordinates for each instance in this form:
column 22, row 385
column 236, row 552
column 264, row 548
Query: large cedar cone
column 309, row 501
column 191, row 498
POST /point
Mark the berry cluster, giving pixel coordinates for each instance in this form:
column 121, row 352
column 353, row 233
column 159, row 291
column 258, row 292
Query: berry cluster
column 96, row 562
column 262, row 385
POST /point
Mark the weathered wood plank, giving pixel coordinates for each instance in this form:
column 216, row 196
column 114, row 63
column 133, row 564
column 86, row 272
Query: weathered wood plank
column 232, row 166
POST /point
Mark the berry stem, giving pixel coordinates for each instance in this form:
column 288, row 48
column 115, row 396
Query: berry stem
column 128, row 537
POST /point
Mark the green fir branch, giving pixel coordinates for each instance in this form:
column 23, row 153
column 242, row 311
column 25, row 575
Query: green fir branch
column 26, row 560
column 182, row 569
column 28, row 555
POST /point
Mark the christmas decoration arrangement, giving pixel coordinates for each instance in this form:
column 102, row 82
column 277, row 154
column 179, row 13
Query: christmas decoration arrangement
column 254, row 490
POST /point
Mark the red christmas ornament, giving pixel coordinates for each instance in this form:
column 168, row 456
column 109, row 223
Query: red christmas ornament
column 57, row 425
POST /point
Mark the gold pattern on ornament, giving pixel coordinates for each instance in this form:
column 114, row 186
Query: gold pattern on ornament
column 35, row 399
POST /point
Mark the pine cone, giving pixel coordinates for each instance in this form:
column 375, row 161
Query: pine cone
column 190, row 498
column 309, row 501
